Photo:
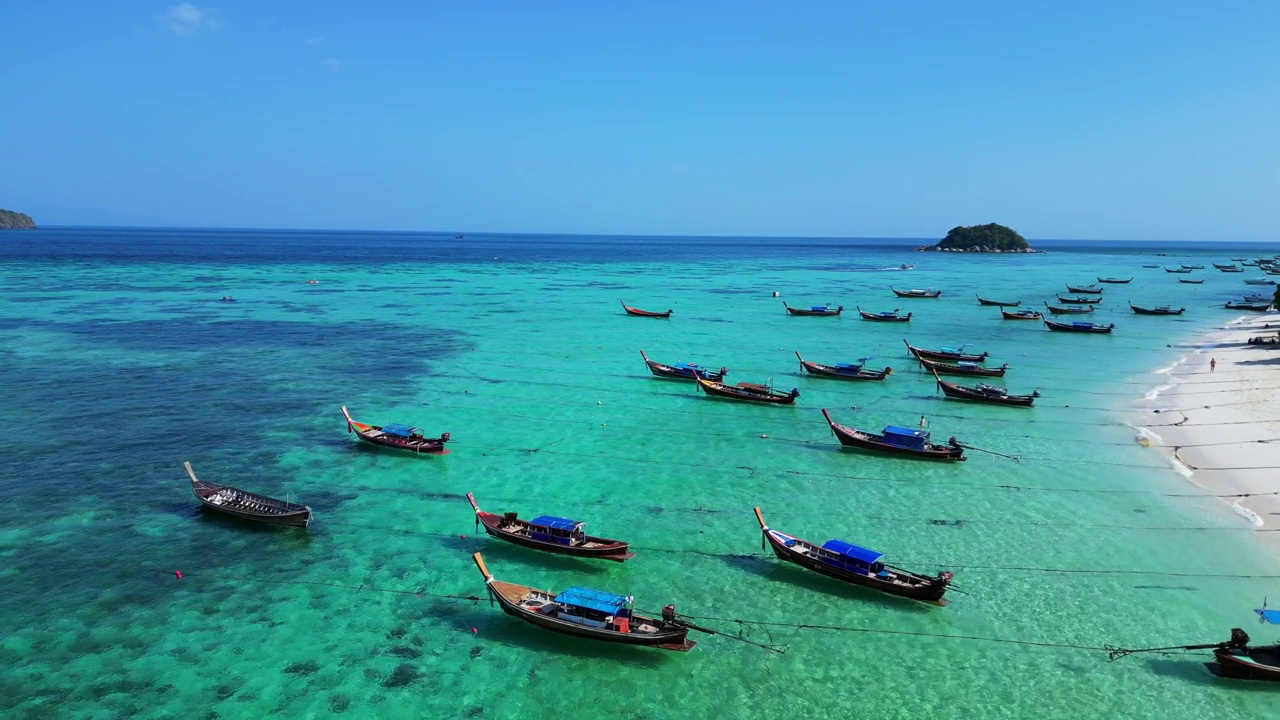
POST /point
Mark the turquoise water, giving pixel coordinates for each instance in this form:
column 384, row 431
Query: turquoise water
column 119, row 362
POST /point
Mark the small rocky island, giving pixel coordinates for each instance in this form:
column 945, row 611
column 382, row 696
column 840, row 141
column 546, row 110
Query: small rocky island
column 10, row 220
column 989, row 238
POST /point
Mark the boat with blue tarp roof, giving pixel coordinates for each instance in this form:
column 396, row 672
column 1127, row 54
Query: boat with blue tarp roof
column 820, row 310
column 857, row 565
column 844, row 371
column 1235, row 659
column 587, row 613
column 1079, row 327
column 682, row 370
column 398, row 436
column 887, row 316
column 749, row 391
column 947, row 354
column 551, row 534
column 895, row 440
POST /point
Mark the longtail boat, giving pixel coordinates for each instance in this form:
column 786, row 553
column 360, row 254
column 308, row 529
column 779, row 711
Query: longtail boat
column 1079, row 300
column 1252, row 306
column 895, row 440
column 1151, row 266
column 962, row 368
column 1071, row 310
column 644, row 313
column 1086, row 289
column 1185, row 281
column 751, row 392
column 1116, row 281
column 1177, row 271
column 884, row 316
column 1157, row 310
column 400, row 437
column 844, row 371
column 1259, row 281
column 946, row 353
column 930, row 293
column 1020, row 315
column 1225, row 266
column 984, row 393
column 857, row 565
column 1235, row 659
column 1232, row 270
column 1079, row 327
column 997, row 303
column 682, row 370
column 248, row 505
column 1192, row 267
column 826, row 310
column 585, row 613
column 551, row 534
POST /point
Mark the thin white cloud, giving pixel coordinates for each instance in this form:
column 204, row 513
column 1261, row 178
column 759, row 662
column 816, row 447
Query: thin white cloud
column 333, row 63
column 314, row 40
column 186, row 19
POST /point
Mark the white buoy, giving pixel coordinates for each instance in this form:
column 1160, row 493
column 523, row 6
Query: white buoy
column 775, row 293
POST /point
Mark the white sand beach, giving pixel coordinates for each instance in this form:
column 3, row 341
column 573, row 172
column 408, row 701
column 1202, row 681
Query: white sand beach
column 1223, row 423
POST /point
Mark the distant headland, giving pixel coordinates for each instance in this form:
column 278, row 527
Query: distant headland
column 10, row 220
column 989, row 238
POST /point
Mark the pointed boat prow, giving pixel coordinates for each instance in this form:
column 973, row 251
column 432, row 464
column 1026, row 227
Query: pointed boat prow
column 472, row 499
column 483, row 570
column 760, row 517
column 194, row 480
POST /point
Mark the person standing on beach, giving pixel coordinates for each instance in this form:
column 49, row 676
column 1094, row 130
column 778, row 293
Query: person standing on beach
column 1213, row 364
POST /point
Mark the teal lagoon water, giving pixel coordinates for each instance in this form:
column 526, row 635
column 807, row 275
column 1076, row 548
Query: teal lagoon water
column 119, row 362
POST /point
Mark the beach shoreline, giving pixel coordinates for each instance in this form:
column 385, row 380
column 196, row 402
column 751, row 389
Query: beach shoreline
column 1219, row 423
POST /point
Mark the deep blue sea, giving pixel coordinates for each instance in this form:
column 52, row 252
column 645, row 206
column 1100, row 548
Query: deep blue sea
column 119, row 361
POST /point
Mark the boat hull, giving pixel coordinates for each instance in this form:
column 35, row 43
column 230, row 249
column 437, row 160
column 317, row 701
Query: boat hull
column 507, row 594
column 814, row 313
column 728, row 392
column 827, row 371
column 932, row 594
column 1095, row 330
column 855, row 439
column 959, row 392
column 670, row 372
column 1255, row 663
column 605, row 549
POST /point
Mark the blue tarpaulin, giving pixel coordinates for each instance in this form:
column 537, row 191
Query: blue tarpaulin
column 906, row 437
column 558, row 523
column 1268, row 616
column 852, row 551
column 820, row 308
column 398, row 430
column 591, row 599
column 848, row 366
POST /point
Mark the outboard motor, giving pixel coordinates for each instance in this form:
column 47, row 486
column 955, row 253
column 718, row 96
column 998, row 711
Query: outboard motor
column 510, row 515
column 1239, row 638
column 669, row 613
column 795, row 393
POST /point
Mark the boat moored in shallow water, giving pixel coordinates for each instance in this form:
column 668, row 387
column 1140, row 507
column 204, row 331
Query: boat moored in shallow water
column 894, row 440
column 819, row 310
column 550, row 534
column 884, row 316
column 397, row 436
column 644, row 313
column 844, row 371
column 682, row 370
column 248, row 505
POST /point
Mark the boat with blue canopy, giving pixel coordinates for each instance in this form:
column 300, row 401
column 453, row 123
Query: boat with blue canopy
column 930, row 293
column 1087, row 289
column 1234, row 659
column 587, row 613
column 948, row 354
column 826, row 310
column 398, row 436
column 895, row 440
column 893, row 316
column 1079, row 327
column 550, row 533
column 855, row 564
column 844, row 371
column 682, row 370
column 1069, row 309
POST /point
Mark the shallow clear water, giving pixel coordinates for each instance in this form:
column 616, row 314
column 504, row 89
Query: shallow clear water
column 119, row 362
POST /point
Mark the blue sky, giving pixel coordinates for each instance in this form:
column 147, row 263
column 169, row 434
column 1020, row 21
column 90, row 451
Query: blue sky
column 1129, row 120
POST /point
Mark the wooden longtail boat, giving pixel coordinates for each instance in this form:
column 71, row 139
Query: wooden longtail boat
column 1151, row 266
column 884, row 316
column 1073, row 310
column 822, row 310
column 682, row 371
column 1079, row 300
column 997, row 303
column 857, row 565
column 844, row 371
column 1021, row 315
column 1191, row 282
column 1259, row 306
column 1079, row 327
column 930, row 293
column 899, row 441
column 551, row 534
column 1192, row 267
column 1235, row 659
column 751, row 392
column 586, row 613
column 1259, row 281
column 247, row 505
column 1086, row 289
column 984, row 393
column 962, row 368
column 1117, row 281
column 1225, row 266
column 400, row 437
column 1232, row 270
column 1178, row 271
column 946, row 354
column 644, row 313
column 1157, row 310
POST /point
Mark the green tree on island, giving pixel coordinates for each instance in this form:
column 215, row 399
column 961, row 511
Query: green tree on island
column 988, row 238
column 11, row 220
